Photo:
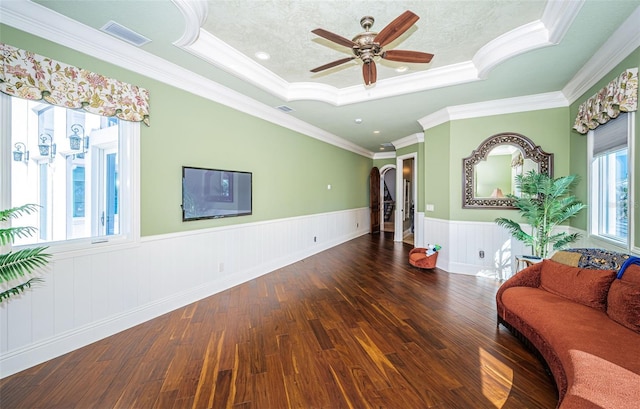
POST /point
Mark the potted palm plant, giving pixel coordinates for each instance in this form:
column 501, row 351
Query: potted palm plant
column 544, row 204
column 15, row 265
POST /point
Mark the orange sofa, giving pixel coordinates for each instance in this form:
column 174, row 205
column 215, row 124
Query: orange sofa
column 584, row 322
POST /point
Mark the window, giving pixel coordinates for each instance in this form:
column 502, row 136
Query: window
column 609, row 180
column 69, row 162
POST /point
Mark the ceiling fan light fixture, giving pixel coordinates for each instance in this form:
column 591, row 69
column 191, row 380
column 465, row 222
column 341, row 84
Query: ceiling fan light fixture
column 368, row 46
column 402, row 68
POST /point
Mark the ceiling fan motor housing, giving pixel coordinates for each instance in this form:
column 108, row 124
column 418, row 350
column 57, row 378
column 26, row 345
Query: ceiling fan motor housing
column 366, row 48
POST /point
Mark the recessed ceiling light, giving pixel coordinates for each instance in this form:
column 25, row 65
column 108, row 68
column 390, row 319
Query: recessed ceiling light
column 376, row 132
column 402, row 68
column 358, row 120
column 261, row 55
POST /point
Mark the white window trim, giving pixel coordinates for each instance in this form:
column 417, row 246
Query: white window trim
column 129, row 153
column 630, row 243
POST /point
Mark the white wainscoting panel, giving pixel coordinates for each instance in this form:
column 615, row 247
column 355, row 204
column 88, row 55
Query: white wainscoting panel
column 462, row 241
column 89, row 295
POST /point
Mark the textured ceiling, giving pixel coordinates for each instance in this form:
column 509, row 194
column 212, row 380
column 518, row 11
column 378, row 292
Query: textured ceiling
column 485, row 50
column 452, row 30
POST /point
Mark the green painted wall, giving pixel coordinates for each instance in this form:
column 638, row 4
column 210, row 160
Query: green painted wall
column 415, row 148
column 579, row 145
column 447, row 144
column 437, row 182
column 379, row 163
column 546, row 128
column 290, row 171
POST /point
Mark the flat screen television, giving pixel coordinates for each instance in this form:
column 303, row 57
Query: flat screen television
column 215, row 193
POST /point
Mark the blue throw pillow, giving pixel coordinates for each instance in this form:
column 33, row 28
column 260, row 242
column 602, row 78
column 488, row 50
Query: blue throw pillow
column 631, row 260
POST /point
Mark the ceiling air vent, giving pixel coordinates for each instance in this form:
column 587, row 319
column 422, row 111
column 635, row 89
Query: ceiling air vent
column 125, row 34
column 285, row 109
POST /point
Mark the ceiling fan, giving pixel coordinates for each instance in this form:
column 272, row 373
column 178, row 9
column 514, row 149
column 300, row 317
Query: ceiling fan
column 370, row 44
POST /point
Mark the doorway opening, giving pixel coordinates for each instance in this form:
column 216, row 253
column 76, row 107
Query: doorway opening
column 388, row 196
column 406, row 194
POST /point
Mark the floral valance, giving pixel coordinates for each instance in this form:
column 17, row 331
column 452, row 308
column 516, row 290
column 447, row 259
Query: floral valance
column 31, row 76
column 620, row 95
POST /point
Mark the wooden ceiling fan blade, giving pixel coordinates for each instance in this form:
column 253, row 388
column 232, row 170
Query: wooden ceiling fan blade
column 332, row 64
column 396, row 28
column 369, row 73
column 407, row 56
column 333, row 37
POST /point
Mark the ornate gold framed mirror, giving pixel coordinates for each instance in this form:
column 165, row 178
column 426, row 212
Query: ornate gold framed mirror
column 488, row 174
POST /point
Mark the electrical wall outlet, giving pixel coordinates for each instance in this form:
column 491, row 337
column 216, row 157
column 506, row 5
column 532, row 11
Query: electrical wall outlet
column 430, row 208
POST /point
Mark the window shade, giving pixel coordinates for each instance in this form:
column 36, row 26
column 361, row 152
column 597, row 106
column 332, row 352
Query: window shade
column 611, row 136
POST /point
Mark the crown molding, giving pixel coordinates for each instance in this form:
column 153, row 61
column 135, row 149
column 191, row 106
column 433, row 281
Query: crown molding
column 556, row 20
column 557, row 17
column 384, row 155
column 522, row 39
column 408, row 140
column 194, row 13
column 43, row 22
column 624, row 41
column 527, row 103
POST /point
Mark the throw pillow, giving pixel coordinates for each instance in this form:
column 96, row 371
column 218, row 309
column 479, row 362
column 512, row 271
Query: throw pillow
column 630, row 270
column 623, row 304
column 632, row 274
column 569, row 258
column 586, row 286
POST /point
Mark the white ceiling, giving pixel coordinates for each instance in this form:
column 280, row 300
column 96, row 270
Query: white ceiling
column 485, row 50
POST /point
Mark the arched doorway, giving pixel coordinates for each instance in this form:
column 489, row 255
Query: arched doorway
column 388, row 197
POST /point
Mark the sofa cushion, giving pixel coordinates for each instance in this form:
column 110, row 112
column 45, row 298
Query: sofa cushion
column 623, row 304
column 631, row 274
column 599, row 258
column 597, row 355
column 569, row 258
column 583, row 285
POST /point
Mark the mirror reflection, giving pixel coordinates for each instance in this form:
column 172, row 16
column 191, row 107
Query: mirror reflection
column 495, row 176
column 489, row 173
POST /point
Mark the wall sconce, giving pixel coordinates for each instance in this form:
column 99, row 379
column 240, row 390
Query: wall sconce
column 20, row 152
column 517, row 161
column 47, row 149
column 77, row 141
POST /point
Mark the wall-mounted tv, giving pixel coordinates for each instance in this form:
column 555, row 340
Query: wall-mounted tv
column 215, row 193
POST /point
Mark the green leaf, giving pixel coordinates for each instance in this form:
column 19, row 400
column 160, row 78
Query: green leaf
column 545, row 203
column 14, row 265
column 19, row 289
column 16, row 212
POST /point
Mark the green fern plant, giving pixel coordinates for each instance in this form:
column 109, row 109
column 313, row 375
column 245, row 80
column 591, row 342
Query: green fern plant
column 15, row 265
column 544, row 204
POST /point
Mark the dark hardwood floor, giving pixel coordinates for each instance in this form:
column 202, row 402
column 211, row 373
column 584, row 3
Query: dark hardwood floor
column 353, row 327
